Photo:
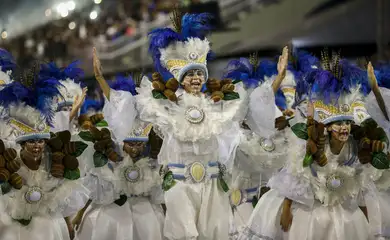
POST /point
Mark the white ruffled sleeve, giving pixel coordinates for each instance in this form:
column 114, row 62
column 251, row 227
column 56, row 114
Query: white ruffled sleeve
column 374, row 111
column 293, row 181
column 76, row 200
column 292, row 187
column 262, row 110
column 100, row 183
column 150, row 109
column 61, row 121
column 120, row 113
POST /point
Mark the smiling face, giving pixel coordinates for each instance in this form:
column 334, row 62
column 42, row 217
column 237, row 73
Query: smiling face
column 35, row 147
column 340, row 130
column 135, row 148
column 193, row 81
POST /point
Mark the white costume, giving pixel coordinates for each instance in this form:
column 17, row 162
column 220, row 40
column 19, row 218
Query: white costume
column 325, row 200
column 36, row 209
column 126, row 195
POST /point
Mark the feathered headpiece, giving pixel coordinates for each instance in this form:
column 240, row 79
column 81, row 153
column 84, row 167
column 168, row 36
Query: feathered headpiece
column 123, row 83
column 176, row 51
column 337, row 89
column 28, row 102
column 7, row 66
column 91, row 106
column 69, row 78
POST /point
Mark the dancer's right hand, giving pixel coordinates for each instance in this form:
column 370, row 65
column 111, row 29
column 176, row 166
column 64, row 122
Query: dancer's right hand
column 286, row 219
column 97, row 66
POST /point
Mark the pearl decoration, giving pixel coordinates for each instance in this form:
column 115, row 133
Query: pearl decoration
column 33, row 195
column 267, row 144
column 193, row 56
column 132, row 174
column 194, row 115
column 334, row 182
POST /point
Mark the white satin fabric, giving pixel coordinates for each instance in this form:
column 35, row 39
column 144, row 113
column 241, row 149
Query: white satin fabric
column 197, row 212
column 137, row 219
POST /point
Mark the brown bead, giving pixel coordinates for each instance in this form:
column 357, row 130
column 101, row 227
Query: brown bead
column 227, row 88
column 55, row 144
column 96, row 133
column 365, row 156
column 213, row 85
column 83, row 118
column 311, row 146
column 2, row 147
column 2, row 161
column 97, row 118
column 377, row 146
column 10, row 154
column 106, row 134
column 157, row 77
column 4, row 175
column 13, row 166
column 70, row 148
column 86, row 125
column 217, row 96
column 16, row 181
column 64, row 136
column 57, row 170
column 159, row 86
column 170, row 95
column 112, row 155
column 172, row 84
column 71, row 162
column 57, row 157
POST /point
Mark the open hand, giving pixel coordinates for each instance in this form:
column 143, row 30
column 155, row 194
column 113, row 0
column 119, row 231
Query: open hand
column 79, row 100
column 283, row 62
column 97, row 66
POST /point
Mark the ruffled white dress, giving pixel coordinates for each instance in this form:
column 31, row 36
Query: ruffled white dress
column 59, row 198
column 325, row 200
column 141, row 217
column 198, row 134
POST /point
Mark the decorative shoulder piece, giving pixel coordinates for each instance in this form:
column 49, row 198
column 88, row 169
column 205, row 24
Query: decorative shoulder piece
column 8, row 168
column 64, row 155
column 140, row 131
column 103, row 144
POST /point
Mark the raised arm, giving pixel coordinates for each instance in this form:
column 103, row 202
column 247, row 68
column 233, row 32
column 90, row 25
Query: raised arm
column 282, row 68
column 97, row 68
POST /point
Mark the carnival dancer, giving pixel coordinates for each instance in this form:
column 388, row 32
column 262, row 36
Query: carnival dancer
column 44, row 174
column 318, row 194
column 72, row 95
column 199, row 120
column 374, row 112
column 126, row 192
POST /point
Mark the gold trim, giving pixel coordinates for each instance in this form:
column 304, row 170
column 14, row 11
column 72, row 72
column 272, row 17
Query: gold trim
column 27, row 129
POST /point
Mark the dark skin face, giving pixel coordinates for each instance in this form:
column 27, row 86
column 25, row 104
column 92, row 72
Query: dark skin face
column 35, row 147
column 66, row 108
column 134, row 149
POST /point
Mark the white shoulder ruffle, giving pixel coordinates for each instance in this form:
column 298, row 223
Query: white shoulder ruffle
column 262, row 110
column 99, row 181
column 61, row 122
column 171, row 117
column 120, row 113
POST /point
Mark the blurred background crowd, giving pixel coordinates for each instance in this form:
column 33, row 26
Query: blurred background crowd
column 64, row 31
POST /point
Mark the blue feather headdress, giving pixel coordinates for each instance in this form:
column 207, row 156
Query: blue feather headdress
column 28, row 102
column 336, row 89
column 176, row 51
column 92, row 105
column 69, row 77
column 123, row 83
